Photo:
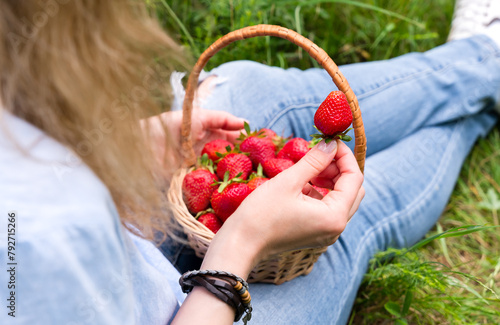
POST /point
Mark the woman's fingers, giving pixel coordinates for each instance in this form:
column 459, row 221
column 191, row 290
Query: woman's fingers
column 311, row 192
column 348, row 184
column 232, row 136
column 327, row 177
column 220, row 120
column 210, row 125
column 310, row 166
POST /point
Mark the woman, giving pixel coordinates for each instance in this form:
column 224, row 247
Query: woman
column 83, row 167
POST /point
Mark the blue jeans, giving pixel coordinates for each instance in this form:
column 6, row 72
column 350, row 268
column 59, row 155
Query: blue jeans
column 422, row 113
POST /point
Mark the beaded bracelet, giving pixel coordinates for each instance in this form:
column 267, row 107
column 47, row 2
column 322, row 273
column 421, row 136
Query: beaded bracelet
column 226, row 286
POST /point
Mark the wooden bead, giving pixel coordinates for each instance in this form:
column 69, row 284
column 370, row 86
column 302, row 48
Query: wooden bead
column 245, row 295
column 238, row 286
column 246, row 301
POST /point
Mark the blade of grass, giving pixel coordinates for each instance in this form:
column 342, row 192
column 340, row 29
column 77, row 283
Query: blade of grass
column 407, row 302
column 453, row 232
column 298, row 26
column 181, row 26
column 491, row 279
column 444, row 247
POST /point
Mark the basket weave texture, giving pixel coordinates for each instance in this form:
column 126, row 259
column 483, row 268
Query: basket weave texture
column 286, row 266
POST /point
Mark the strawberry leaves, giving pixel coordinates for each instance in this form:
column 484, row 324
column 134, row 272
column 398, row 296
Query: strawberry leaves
column 317, row 137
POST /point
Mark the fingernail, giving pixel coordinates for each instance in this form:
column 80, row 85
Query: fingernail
column 327, row 147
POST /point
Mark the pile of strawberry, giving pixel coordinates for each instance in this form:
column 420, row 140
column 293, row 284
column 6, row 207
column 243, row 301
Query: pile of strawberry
column 226, row 173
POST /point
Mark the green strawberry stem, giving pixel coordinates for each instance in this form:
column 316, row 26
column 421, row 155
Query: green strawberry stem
column 228, row 151
column 247, row 128
column 259, row 173
column 199, row 214
column 317, row 137
column 249, row 133
column 226, row 181
column 205, row 162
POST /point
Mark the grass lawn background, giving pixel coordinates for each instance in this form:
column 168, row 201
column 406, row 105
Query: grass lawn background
column 452, row 279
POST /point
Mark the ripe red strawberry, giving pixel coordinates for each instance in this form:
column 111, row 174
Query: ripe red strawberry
column 275, row 166
column 323, row 191
column 294, row 149
column 276, row 139
column 259, row 149
column 234, row 163
column 197, row 189
column 229, row 199
column 211, row 148
column 257, row 179
column 211, row 221
column 333, row 116
column 267, row 133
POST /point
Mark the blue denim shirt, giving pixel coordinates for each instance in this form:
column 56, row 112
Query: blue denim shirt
column 70, row 259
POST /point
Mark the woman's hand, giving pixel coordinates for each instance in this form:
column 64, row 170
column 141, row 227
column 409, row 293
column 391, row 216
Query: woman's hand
column 286, row 213
column 206, row 125
column 291, row 214
column 283, row 214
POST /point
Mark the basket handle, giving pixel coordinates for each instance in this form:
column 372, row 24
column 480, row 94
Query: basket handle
column 314, row 51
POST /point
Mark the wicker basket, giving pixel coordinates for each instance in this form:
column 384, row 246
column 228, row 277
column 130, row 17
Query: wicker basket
column 286, row 266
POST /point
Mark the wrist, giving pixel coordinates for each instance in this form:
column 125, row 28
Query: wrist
column 233, row 249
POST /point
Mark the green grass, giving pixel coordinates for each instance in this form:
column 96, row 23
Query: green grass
column 351, row 31
column 454, row 280
column 451, row 279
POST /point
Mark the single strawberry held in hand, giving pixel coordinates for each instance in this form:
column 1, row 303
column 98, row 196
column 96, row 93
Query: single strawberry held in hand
column 333, row 117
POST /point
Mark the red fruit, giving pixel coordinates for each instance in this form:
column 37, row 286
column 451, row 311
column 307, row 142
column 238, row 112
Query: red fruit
column 211, row 221
column 226, row 202
column 323, row 191
column 235, row 163
column 333, row 115
column 197, row 189
column 256, row 182
column 294, row 149
column 275, row 166
column 259, row 149
column 211, row 148
column 267, row 133
column 270, row 134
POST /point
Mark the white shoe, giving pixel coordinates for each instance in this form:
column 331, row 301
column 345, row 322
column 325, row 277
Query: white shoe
column 472, row 17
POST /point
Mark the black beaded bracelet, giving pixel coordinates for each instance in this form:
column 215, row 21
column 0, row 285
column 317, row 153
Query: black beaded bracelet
column 226, row 286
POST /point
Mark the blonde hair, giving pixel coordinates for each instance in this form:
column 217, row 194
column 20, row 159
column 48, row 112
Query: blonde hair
column 85, row 72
